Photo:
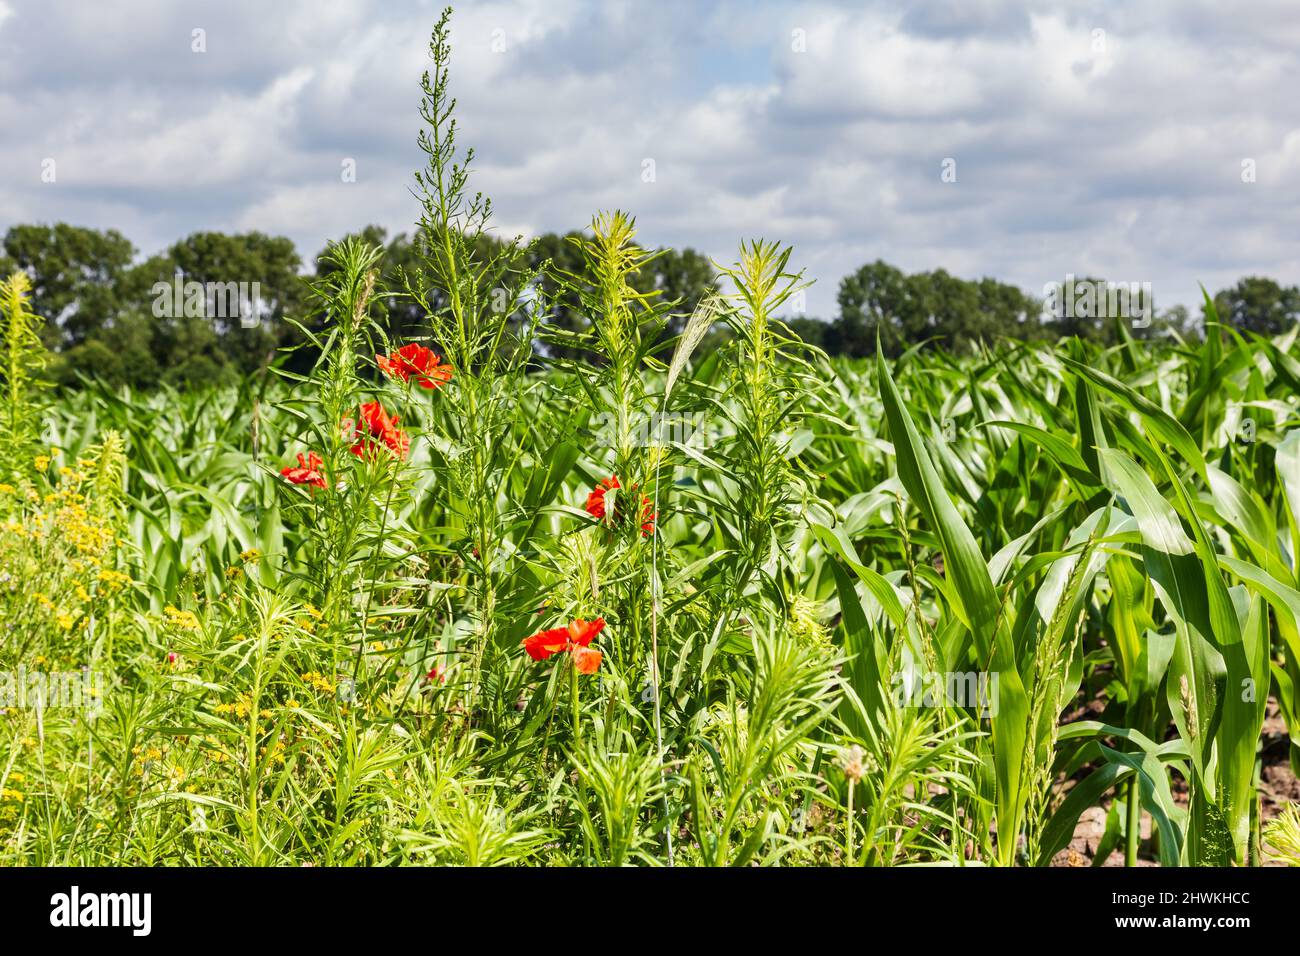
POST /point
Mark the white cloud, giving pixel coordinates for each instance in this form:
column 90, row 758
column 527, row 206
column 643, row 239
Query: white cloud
column 1122, row 161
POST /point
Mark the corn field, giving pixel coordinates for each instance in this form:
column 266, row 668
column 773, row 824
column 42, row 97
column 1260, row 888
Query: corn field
column 459, row 600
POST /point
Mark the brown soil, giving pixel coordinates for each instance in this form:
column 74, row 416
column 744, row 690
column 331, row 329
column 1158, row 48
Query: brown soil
column 1278, row 787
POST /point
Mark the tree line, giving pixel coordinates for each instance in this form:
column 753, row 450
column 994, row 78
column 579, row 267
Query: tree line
column 215, row 306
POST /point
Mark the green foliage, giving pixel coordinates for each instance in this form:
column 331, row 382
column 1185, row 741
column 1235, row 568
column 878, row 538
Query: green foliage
column 21, row 364
column 1260, row 305
column 101, row 310
column 838, row 620
column 1283, row 835
column 79, row 275
column 881, row 301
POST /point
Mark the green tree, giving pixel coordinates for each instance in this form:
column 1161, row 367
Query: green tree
column 1176, row 319
column 1258, row 304
column 904, row 310
column 874, row 300
column 682, row 276
column 948, row 309
column 561, row 260
column 76, row 274
column 1106, row 313
column 813, row 331
column 1009, row 310
column 219, row 341
column 124, row 352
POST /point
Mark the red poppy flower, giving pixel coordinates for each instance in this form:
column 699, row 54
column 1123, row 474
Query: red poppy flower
column 586, row 659
column 581, row 632
column 647, row 518
column 308, row 471
column 596, row 500
column 414, row 359
column 574, row 639
column 438, row 673
column 375, row 427
column 596, row 506
column 543, row 645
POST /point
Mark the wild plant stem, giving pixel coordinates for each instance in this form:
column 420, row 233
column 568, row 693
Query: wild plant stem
column 848, row 827
column 1133, row 823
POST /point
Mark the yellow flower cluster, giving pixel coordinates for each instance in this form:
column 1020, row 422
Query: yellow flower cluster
column 184, row 620
column 143, row 758
column 214, row 751
column 88, row 534
column 60, row 541
column 308, row 622
column 114, row 580
column 239, row 708
column 321, row 683
column 275, row 753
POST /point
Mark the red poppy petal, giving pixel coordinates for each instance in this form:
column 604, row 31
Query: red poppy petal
column 586, row 660
column 583, row 632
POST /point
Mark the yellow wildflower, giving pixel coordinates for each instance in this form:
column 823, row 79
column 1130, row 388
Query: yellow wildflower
column 115, row 580
column 317, row 680
column 185, row 620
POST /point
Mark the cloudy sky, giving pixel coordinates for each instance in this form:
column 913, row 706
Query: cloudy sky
column 1089, row 137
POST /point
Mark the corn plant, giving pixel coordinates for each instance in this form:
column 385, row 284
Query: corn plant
column 472, row 597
